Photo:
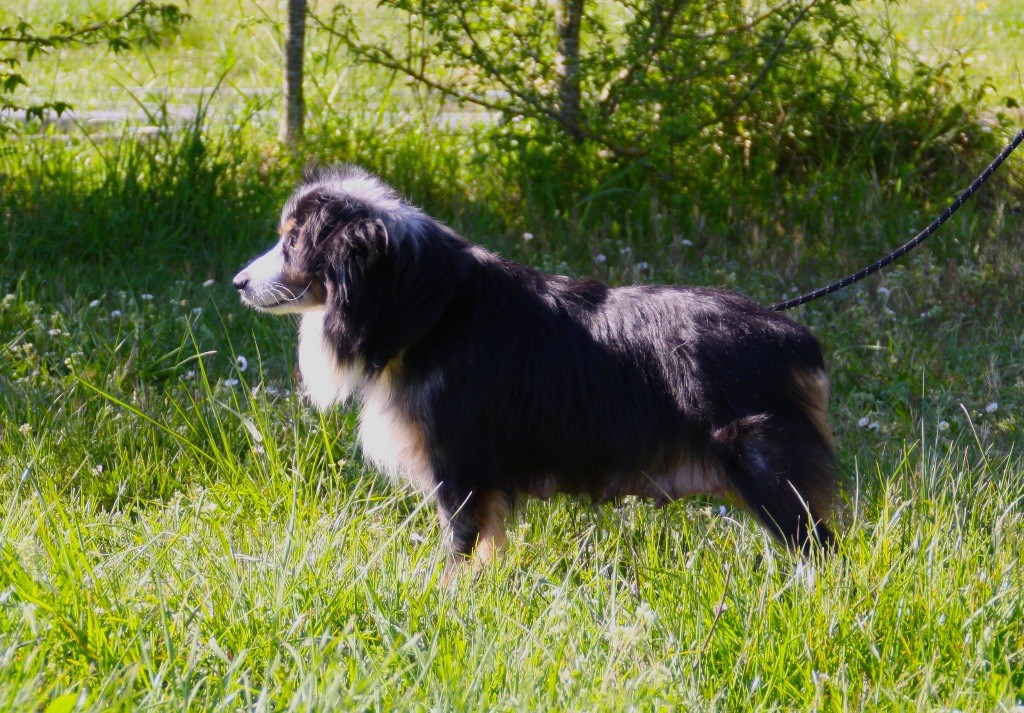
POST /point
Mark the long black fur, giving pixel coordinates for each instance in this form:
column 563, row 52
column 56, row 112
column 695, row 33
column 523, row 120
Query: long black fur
column 523, row 383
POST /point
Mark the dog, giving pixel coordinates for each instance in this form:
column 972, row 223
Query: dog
column 482, row 381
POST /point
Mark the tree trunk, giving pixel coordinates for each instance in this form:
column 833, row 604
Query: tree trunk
column 567, row 18
column 294, row 48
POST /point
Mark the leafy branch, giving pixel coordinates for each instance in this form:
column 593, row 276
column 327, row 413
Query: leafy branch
column 610, row 87
column 144, row 24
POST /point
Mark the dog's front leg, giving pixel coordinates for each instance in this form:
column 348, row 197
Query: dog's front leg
column 473, row 523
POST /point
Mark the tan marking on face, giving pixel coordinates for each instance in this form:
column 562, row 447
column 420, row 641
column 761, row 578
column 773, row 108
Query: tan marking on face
column 287, row 227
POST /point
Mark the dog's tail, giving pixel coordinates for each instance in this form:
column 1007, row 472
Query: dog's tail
column 784, row 469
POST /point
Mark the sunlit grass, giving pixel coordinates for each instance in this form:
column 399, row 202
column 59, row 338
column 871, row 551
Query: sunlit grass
column 180, row 531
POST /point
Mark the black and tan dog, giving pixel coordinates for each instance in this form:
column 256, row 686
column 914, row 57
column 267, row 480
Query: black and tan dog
column 482, row 381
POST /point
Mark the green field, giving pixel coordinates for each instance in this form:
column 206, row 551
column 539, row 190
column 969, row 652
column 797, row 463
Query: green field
column 180, row 531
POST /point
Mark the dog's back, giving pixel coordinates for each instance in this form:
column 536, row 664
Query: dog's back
column 554, row 385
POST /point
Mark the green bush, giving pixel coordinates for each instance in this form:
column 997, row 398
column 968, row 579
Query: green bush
column 718, row 104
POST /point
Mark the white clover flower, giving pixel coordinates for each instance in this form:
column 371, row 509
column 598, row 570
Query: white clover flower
column 527, row 237
column 55, row 332
column 209, row 283
column 115, row 313
column 25, row 429
column 943, row 425
column 230, row 382
column 646, row 613
column 992, row 407
column 146, row 296
column 864, row 422
column 686, row 243
column 241, row 363
column 97, row 469
column 94, row 303
column 626, row 250
column 600, row 259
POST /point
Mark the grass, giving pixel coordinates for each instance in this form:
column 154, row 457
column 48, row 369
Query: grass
column 179, row 530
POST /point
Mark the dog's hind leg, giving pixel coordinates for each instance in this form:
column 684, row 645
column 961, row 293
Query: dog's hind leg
column 474, row 524
column 785, row 473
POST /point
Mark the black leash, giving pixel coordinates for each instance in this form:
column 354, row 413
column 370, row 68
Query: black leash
column 918, row 239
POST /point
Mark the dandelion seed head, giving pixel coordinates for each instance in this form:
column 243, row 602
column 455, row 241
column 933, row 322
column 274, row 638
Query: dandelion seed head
column 241, row 363
column 943, row 425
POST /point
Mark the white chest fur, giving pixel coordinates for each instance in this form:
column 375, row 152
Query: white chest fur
column 326, row 381
column 388, row 439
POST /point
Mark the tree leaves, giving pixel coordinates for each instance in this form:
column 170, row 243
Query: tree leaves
column 144, row 24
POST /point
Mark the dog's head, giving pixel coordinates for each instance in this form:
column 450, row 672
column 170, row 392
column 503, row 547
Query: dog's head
column 350, row 245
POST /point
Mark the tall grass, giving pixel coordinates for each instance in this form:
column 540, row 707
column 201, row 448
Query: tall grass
column 262, row 566
column 179, row 530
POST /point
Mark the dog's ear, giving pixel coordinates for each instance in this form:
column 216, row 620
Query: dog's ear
column 358, row 273
column 391, row 290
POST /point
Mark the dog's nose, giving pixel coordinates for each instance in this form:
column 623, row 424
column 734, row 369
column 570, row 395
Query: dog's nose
column 241, row 281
